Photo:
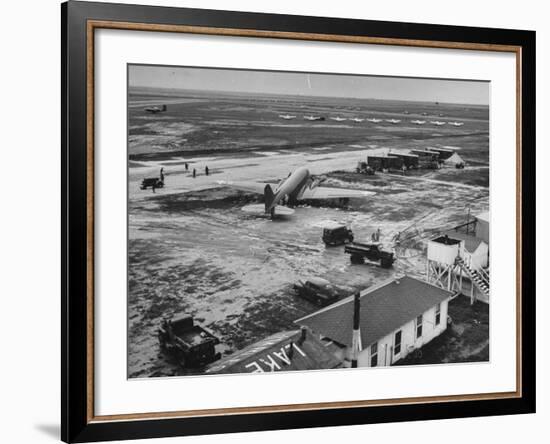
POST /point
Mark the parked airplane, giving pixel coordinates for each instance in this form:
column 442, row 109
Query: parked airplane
column 394, row 121
column 438, row 122
column 287, row 116
column 299, row 185
column 456, row 123
column 418, row 122
column 356, row 119
column 314, row 118
column 374, row 120
column 155, row 109
column 338, row 119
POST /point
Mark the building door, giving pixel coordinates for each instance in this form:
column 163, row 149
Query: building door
column 396, row 345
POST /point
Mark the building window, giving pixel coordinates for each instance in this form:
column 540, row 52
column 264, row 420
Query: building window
column 397, row 343
column 374, row 355
column 438, row 314
column 419, row 326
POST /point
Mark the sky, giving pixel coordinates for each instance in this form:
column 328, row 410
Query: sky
column 293, row 83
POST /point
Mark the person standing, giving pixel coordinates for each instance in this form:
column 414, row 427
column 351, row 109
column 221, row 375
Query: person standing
column 194, row 173
column 162, row 175
column 206, row 170
column 186, row 166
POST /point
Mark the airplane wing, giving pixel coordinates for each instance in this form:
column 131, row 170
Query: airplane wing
column 333, row 193
column 252, row 187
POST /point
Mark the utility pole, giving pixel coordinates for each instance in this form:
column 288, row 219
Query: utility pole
column 356, row 340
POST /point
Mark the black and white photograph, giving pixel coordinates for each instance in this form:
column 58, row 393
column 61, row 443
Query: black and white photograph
column 283, row 221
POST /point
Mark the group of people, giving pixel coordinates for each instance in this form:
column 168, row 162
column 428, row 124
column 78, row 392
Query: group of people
column 206, row 170
column 194, row 172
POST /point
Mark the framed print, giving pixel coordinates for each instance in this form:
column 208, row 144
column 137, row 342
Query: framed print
column 277, row 221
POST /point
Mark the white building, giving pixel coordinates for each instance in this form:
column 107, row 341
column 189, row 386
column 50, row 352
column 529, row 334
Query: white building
column 482, row 226
column 458, row 260
column 396, row 317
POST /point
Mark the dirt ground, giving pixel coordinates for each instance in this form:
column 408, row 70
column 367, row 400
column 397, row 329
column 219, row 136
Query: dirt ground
column 192, row 249
column 465, row 340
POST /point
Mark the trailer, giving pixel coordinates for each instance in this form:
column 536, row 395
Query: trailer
column 385, row 162
column 410, row 161
column 190, row 345
column 427, row 159
column 371, row 253
column 444, row 153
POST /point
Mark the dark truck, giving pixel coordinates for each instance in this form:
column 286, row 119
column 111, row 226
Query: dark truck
column 364, row 168
column 370, row 252
column 151, row 182
column 316, row 290
column 190, row 345
column 337, row 235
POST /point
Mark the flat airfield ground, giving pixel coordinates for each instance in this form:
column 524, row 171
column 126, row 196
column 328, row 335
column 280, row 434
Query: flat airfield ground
column 193, row 250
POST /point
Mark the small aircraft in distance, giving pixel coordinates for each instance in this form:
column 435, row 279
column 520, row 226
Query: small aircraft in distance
column 374, row 120
column 299, row 185
column 438, row 122
column 338, row 119
column 287, row 116
column 357, row 119
column 155, row 109
column 314, row 118
column 394, row 121
column 456, row 123
column 418, row 122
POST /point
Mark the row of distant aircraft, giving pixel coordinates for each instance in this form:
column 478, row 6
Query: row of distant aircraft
column 372, row 120
column 437, row 123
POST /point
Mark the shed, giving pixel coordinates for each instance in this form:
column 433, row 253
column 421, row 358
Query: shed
column 396, row 317
column 482, row 226
column 475, row 251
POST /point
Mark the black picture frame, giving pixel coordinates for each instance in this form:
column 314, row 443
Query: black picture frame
column 77, row 425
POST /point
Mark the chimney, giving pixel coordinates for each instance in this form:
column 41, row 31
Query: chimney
column 356, row 339
column 303, row 332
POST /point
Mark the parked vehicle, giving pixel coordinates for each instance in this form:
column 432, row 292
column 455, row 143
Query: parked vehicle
column 364, row 168
column 338, row 235
column 316, row 290
column 151, row 182
column 190, row 345
column 373, row 253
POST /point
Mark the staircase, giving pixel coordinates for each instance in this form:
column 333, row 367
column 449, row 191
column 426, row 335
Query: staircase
column 480, row 278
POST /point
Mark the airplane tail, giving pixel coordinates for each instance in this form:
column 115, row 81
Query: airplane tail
column 269, row 198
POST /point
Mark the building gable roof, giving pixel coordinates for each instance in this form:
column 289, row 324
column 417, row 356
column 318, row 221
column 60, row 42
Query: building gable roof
column 272, row 354
column 384, row 308
column 471, row 243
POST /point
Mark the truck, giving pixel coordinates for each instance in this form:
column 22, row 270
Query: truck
column 188, row 344
column 317, row 290
column 151, row 182
column 371, row 253
column 364, row 168
column 337, row 235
